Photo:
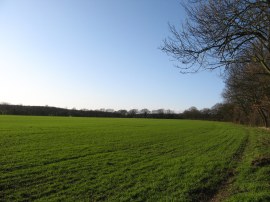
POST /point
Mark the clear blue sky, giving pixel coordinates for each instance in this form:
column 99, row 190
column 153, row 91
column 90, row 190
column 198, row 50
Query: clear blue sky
column 96, row 54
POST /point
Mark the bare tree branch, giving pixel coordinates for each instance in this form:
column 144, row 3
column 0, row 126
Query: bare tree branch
column 218, row 33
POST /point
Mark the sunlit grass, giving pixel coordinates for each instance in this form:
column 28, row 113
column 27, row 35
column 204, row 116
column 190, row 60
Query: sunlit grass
column 97, row 159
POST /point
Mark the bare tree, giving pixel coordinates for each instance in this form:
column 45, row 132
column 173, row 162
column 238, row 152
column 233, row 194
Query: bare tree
column 161, row 111
column 219, row 33
column 133, row 112
column 123, row 112
column 145, row 112
column 249, row 87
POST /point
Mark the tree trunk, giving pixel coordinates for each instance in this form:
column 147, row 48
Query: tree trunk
column 264, row 117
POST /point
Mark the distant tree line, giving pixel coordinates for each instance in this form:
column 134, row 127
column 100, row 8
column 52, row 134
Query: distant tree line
column 9, row 109
column 219, row 112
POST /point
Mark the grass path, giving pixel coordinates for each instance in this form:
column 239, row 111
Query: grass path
column 226, row 185
column 251, row 182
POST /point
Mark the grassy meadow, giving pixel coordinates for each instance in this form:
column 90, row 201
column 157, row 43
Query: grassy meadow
column 110, row 159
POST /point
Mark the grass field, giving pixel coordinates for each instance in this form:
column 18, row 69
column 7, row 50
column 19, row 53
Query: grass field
column 103, row 159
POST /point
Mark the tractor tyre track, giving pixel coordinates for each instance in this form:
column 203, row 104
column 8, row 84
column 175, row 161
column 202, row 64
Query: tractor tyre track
column 224, row 189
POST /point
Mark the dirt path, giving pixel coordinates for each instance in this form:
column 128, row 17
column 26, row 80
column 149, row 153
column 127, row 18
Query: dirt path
column 225, row 187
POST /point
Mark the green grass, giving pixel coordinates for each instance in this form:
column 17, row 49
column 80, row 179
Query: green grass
column 104, row 159
column 252, row 181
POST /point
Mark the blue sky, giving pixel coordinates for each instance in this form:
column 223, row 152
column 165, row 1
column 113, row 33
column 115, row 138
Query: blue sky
column 96, row 54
